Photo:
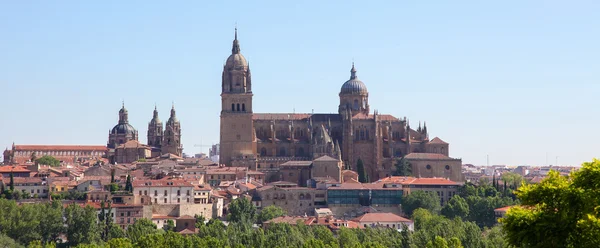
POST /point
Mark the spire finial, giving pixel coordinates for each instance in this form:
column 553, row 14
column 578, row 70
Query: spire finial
column 155, row 106
column 353, row 71
column 123, row 103
column 236, row 45
column 172, row 104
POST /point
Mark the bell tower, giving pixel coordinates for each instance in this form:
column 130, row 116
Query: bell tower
column 237, row 135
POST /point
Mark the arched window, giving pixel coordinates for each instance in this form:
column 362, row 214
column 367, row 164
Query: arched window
column 356, row 104
column 362, row 134
column 263, row 151
column 301, row 152
column 232, row 107
column 367, row 134
column 282, row 151
column 243, row 107
column 238, row 107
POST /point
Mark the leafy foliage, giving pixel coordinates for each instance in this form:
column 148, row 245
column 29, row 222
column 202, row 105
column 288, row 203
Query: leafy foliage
column 561, row 211
column 362, row 173
column 456, row 207
column 241, row 210
column 48, row 160
column 403, row 167
column 269, row 213
column 421, row 199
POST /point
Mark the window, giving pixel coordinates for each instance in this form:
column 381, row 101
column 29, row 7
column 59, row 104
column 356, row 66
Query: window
column 165, row 193
column 447, row 167
column 238, row 107
column 282, row 151
column 263, row 151
column 243, row 107
column 188, row 192
column 178, row 200
column 165, row 200
column 356, row 104
column 232, row 107
column 156, row 193
column 428, row 167
column 178, row 192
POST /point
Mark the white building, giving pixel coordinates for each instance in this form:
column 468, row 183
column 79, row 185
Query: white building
column 164, row 191
column 389, row 220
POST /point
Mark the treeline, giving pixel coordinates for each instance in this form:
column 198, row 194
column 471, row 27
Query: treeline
column 41, row 225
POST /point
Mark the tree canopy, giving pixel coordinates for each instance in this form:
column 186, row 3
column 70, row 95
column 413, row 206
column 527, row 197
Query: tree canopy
column 269, row 213
column 241, row 210
column 560, row 211
column 421, row 199
column 48, row 160
column 403, row 167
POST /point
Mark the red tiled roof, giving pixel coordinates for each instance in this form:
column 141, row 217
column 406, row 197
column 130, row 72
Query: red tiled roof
column 16, row 169
column 437, row 140
column 381, row 217
column 362, row 116
column 60, row 148
column 19, row 180
column 429, row 181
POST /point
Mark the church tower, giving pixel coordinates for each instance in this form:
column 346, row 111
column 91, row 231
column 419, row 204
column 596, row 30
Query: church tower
column 354, row 95
column 237, row 130
column 155, row 131
column 172, row 136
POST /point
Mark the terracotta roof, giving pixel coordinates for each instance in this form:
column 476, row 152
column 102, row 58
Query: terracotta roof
column 503, row 209
column 8, row 169
column 296, row 163
column 249, row 186
column 437, row 140
column 19, row 180
column 429, row 181
column 186, row 217
column 381, row 217
column 60, row 148
column 186, row 231
column 154, row 217
column 326, row 158
column 133, row 144
column 426, row 156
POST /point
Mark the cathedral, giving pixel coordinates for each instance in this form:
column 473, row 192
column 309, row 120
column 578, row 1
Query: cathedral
column 124, row 147
column 264, row 141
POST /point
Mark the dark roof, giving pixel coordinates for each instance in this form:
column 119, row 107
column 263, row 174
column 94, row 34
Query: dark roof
column 123, row 128
column 296, row 163
column 427, row 156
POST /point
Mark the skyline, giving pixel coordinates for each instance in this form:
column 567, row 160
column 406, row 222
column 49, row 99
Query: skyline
column 516, row 84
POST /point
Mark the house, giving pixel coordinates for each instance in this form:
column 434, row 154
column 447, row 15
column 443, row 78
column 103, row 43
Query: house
column 388, row 220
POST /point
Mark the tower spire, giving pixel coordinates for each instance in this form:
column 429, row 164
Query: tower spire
column 353, row 72
column 236, row 44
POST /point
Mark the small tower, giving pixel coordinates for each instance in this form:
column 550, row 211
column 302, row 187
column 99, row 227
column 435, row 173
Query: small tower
column 155, row 131
column 172, row 136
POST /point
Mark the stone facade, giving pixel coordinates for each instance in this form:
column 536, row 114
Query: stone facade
column 265, row 141
column 294, row 200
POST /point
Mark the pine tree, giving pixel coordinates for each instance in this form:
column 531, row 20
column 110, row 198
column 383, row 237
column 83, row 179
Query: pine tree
column 128, row 186
column 505, row 189
column 362, row 173
column 494, row 181
column 12, row 182
column 112, row 175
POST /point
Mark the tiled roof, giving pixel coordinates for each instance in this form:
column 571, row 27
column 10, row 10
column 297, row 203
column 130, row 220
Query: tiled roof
column 381, row 217
column 19, row 180
column 437, row 140
column 325, row 158
column 296, row 163
column 8, row 169
column 421, row 155
column 60, row 148
column 502, row 209
column 429, row 181
column 133, row 144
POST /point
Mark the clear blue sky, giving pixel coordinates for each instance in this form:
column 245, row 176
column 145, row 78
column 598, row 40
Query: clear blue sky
column 514, row 80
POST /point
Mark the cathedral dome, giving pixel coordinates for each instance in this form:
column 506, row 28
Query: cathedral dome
column 123, row 128
column 236, row 61
column 353, row 86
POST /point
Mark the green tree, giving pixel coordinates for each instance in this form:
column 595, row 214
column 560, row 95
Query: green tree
column 113, row 187
column 82, row 225
column 7, row 242
column 140, row 228
column 362, row 173
column 403, row 167
column 112, row 175
column 421, row 199
column 128, row 185
column 12, row 182
column 561, row 211
column 119, row 243
column 48, row 160
column 438, row 242
column 456, row 207
column 170, row 226
column 269, row 213
column 241, row 209
column 51, row 221
column 347, row 238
